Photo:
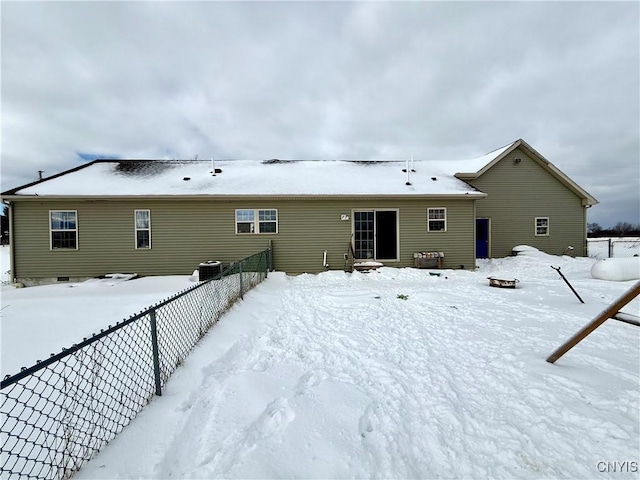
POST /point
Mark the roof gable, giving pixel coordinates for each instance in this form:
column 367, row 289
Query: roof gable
column 485, row 163
column 13, row 191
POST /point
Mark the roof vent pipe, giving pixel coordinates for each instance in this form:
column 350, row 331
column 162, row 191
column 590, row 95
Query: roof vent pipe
column 408, row 174
column 40, row 172
column 213, row 168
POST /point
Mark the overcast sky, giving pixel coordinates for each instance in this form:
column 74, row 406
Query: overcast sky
column 316, row 80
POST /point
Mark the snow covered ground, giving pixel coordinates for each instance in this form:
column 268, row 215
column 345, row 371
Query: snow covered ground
column 38, row 321
column 389, row 374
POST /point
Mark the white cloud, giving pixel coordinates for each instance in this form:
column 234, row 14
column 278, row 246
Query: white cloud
column 325, row 80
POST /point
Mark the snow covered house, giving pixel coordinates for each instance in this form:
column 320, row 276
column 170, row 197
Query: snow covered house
column 163, row 217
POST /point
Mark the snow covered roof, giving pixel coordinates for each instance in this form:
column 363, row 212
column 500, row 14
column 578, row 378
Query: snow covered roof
column 474, row 168
column 476, row 165
column 112, row 178
column 251, row 178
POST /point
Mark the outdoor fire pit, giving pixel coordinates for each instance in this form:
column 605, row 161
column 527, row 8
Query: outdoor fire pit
column 503, row 282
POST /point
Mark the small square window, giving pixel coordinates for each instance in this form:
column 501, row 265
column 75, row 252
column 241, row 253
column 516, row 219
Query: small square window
column 542, row 226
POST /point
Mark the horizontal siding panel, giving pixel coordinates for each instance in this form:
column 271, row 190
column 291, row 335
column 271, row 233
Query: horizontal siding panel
column 519, row 192
column 185, row 233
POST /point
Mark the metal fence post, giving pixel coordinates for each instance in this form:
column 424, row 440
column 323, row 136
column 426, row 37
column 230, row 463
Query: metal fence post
column 241, row 294
column 156, row 355
column 266, row 262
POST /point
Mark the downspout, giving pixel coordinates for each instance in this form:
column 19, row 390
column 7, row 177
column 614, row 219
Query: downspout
column 475, row 226
column 11, row 242
column 585, row 241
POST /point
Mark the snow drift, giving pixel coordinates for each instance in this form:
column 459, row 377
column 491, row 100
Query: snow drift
column 617, row 269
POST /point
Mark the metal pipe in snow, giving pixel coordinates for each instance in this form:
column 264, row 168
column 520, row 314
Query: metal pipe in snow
column 12, row 250
column 567, row 282
column 324, row 260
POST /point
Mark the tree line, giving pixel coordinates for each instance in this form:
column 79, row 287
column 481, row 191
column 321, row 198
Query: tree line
column 620, row 229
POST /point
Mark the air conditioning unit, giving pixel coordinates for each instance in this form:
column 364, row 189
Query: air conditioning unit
column 208, row 270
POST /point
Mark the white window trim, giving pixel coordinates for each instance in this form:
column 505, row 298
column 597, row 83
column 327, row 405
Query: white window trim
column 136, row 229
column 436, row 219
column 51, row 230
column 535, row 227
column 256, row 221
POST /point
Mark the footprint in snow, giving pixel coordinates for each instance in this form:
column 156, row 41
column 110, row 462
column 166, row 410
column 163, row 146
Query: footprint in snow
column 270, row 423
column 274, row 419
column 365, row 425
column 311, row 379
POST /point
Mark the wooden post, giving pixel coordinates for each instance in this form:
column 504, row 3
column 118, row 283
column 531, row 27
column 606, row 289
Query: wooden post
column 609, row 312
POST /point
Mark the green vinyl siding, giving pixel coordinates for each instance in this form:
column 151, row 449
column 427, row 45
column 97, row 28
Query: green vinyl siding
column 187, row 232
column 518, row 192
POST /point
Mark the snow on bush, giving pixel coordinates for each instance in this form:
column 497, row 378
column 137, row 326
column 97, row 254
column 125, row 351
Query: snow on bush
column 617, row 269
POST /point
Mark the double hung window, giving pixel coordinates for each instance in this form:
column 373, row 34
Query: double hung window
column 143, row 228
column 63, row 227
column 436, row 220
column 542, row 226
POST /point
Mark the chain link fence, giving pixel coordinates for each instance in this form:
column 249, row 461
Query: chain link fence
column 57, row 414
column 601, row 248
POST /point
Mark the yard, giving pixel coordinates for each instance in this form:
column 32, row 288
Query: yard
column 394, row 373
column 600, row 248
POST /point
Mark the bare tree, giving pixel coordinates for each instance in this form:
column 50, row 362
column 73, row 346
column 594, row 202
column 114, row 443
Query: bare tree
column 593, row 227
column 623, row 227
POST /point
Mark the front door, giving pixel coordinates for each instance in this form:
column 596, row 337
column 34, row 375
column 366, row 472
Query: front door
column 482, row 237
column 375, row 235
